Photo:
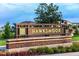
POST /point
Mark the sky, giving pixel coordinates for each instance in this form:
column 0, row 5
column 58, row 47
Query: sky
column 18, row 12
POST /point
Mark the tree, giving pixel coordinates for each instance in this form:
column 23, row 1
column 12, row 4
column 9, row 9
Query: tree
column 47, row 13
column 13, row 30
column 7, row 31
column 76, row 30
column 0, row 36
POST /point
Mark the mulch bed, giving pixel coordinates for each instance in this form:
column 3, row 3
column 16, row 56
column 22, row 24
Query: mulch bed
column 2, row 53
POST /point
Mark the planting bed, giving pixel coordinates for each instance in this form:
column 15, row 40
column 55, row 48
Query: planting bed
column 44, row 51
column 2, row 53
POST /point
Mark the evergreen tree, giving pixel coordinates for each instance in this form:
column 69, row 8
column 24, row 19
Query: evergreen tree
column 47, row 13
column 7, row 31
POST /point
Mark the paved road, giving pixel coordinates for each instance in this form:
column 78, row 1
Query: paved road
column 65, row 54
column 2, row 48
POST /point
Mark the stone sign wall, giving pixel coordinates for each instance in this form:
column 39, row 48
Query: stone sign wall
column 38, row 41
column 27, row 30
column 39, row 35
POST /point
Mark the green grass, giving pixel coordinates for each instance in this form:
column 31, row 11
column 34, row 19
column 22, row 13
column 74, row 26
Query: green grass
column 2, row 42
column 75, row 38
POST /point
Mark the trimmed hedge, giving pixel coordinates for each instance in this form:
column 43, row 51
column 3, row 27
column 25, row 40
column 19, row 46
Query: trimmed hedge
column 60, row 49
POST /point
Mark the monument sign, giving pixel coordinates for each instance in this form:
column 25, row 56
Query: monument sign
column 32, row 29
column 32, row 35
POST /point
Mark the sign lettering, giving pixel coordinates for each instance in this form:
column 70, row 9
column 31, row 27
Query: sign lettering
column 52, row 30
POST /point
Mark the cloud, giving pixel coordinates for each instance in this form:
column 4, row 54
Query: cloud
column 17, row 12
column 13, row 12
column 74, row 20
column 72, row 7
column 69, row 10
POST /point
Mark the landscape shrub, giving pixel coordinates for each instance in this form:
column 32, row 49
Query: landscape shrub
column 49, row 50
column 62, row 49
column 45, row 50
column 56, row 50
column 75, row 48
column 68, row 49
column 32, row 51
column 42, row 50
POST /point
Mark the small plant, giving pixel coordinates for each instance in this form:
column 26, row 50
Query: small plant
column 49, row 50
column 62, row 49
column 45, row 50
column 56, row 50
column 68, row 49
column 75, row 48
column 32, row 51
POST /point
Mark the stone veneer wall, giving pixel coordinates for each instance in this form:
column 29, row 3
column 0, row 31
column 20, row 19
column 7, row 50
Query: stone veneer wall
column 36, row 42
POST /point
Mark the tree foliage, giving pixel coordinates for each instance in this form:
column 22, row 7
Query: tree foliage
column 76, row 30
column 47, row 13
column 7, row 31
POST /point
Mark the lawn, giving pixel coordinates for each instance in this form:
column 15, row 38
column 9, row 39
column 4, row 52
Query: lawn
column 75, row 38
column 2, row 42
